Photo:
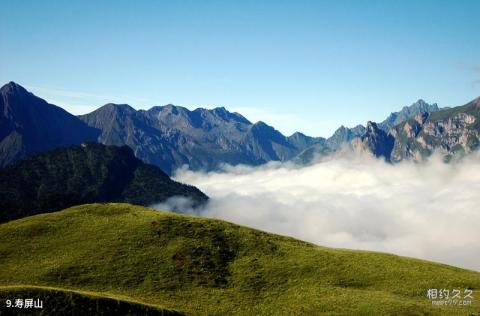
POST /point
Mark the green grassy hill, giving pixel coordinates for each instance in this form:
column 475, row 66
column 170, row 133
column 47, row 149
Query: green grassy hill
column 60, row 302
column 201, row 266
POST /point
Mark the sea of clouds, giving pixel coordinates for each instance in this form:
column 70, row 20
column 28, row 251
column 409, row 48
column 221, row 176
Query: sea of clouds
column 428, row 210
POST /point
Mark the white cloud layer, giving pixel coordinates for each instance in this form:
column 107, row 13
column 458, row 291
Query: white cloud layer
column 429, row 210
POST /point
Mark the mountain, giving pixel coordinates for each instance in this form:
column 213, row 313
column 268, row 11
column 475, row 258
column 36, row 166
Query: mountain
column 200, row 266
column 344, row 135
column 375, row 141
column 300, row 140
column 29, row 125
column 172, row 136
column 166, row 136
column 453, row 132
column 311, row 154
column 84, row 173
column 407, row 113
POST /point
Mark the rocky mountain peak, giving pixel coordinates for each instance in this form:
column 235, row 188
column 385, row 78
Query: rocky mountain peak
column 358, row 130
column 116, row 108
column 344, row 135
column 170, row 108
column 225, row 115
column 372, row 127
column 13, row 88
column 423, row 106
column 408, row 112
column 260, row 124
column 375, row 141
column 419, row 103
column 298, row 135
column 29, row 125
column 300, row 140
column 477, row 102
column 220, row 109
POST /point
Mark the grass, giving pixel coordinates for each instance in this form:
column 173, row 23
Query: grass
column 201, row 266
column 61, row 302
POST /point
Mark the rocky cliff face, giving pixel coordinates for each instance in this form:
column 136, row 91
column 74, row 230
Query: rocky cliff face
column 345, row 136
column 452, row 132
column 407, row 113
column 375, row 141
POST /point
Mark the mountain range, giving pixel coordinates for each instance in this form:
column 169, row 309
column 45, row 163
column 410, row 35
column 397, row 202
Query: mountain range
column 453, row 132
column 406, row 113
column 204, row 139
column 172, row 136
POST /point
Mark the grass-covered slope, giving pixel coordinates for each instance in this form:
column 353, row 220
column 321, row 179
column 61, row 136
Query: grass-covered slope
column 80, row 174
column 204, row 266
column 60, row 302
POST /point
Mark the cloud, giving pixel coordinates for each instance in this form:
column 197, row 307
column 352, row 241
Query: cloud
column 470, row 67
column 427, row 210
column 181, row 204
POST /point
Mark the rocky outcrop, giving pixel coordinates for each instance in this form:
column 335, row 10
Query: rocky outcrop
column 375, row 141
column 407, row 113
column 450, row 132
column 345, row 136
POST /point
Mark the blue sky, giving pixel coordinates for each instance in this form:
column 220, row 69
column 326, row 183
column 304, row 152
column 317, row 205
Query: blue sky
column 297, row 65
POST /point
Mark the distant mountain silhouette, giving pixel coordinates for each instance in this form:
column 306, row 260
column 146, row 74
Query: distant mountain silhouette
column 29, row 125
column 172, row 136
column 406, row 113
column 371, row 136
column 344, row 135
